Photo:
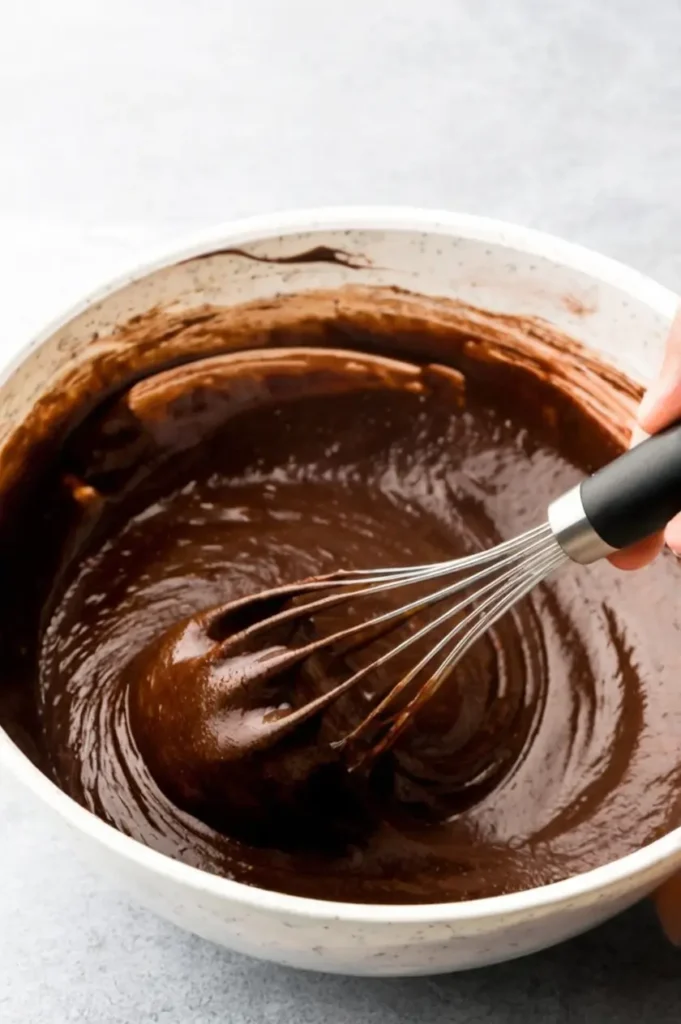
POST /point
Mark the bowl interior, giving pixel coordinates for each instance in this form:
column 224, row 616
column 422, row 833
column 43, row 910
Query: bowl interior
column 605, row 306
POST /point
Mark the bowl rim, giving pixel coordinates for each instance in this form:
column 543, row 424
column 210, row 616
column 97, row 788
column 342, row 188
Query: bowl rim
column 348, row 218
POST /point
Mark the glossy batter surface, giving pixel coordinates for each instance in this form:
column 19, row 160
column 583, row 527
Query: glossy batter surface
column 552, row 749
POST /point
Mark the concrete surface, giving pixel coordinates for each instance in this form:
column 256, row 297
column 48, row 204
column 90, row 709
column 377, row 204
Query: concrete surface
column 125, row 123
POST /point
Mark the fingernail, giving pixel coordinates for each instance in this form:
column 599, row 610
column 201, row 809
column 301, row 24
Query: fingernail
column 659, row 404
column 648, row 402
column 672, row 536
column 638, row 434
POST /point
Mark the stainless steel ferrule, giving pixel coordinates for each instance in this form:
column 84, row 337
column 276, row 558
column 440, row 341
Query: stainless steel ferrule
column 573, row 531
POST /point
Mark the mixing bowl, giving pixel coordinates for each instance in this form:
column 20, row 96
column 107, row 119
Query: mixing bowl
column 500, row 267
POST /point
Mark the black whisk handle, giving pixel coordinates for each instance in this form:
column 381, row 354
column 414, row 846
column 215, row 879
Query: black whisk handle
column 637, row 494
column 631, row 498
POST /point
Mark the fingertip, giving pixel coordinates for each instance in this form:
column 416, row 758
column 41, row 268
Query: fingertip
column 672, row 535
column 660, row 406
column 646, row 413
column 638, row 555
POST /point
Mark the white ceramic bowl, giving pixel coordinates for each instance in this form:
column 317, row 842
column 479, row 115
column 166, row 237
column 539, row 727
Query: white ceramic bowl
column 491, row 264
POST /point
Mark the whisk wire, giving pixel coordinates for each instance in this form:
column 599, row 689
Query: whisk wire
column 489, row 611
column 489, row 583
column 514, row 584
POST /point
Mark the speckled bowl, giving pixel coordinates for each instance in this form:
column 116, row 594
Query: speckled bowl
column 491, row 264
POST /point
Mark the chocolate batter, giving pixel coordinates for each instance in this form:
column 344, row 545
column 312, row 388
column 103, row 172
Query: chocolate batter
column 377, row 429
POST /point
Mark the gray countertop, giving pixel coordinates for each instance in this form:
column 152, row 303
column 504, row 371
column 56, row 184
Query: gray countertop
column 127, row 123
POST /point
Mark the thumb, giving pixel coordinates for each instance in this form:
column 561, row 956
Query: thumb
column 661, row 404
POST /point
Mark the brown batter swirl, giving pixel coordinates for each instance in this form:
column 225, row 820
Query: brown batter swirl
column 554, row 746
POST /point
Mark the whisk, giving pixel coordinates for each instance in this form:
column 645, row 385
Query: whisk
column 630, row 499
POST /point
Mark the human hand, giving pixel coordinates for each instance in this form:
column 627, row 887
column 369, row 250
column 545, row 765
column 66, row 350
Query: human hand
column 660, row 407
